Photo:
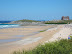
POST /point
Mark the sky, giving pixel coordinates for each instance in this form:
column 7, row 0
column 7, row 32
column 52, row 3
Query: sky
column 11, row 10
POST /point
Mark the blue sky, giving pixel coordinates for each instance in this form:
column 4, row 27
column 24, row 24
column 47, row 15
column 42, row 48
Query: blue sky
column 35, row 9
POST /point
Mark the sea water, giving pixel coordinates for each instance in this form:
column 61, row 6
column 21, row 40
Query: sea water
column 8, row 25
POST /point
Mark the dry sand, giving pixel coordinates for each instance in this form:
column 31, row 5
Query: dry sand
column 62, row 34
column 30, row 40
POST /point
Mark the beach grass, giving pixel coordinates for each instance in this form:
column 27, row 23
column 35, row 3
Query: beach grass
column 42, row 31
column 63, row 46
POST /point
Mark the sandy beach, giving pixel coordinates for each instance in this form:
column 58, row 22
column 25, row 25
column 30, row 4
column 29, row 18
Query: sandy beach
column 28, row 37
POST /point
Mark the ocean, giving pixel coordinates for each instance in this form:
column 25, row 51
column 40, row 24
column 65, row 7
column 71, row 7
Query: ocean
column 7, row 25
column 5, row 22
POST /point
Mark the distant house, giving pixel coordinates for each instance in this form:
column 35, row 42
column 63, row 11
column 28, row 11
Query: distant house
column 65, row 18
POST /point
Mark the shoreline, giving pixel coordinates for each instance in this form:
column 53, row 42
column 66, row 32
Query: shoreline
column 39, row 38
column 26, row 30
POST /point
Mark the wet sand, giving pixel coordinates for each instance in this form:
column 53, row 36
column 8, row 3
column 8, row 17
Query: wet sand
column 29, row 37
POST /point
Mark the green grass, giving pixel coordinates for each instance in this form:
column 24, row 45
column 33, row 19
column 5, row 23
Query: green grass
column 55, row 23
column 25, row 20
column 63, row 46
column 59, row 22
column 42, row 31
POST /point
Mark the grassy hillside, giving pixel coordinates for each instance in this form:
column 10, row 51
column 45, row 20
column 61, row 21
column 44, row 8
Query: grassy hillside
column 59, row 22
column 60, row 47
column 25, row 20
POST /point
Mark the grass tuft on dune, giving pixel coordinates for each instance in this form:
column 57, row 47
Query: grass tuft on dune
column 63, row 46
column 42, row 31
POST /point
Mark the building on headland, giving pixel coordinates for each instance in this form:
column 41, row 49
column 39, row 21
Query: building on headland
column 65, row 18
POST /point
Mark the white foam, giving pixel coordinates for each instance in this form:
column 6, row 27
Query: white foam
column 7, row 26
